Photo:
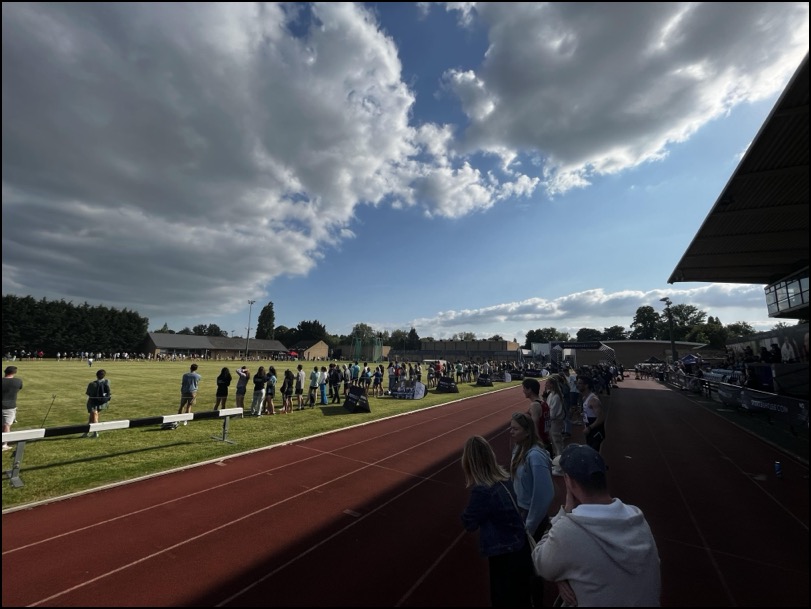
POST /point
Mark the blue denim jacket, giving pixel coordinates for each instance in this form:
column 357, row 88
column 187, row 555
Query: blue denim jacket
column 491, row 509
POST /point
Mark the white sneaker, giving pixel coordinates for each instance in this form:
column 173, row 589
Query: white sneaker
column 185, row 422
column 6, row 447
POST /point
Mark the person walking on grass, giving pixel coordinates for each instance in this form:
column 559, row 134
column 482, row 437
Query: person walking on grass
column 11, row 387
column 98, row 395
column 188, row 390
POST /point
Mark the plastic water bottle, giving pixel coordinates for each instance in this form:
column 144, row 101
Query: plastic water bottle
column 778, row 469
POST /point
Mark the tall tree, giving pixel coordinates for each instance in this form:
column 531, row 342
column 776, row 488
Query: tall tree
column 165, row 329
column 614, row 333
column 266, row 324
column 399, row 339
column 200, row 330
column 214, row 330
column 413, row 340
column 684, row 318
column 645, row 324
column 362, row 332
column 740, row 329
column 311, row 330
column 585, row 335
column 544, row 335
column 713, row 333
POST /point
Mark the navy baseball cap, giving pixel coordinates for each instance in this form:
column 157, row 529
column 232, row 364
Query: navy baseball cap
column 582, row 462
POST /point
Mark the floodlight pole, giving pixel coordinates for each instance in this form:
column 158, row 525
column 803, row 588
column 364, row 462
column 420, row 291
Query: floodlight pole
column 248, row 334
column 673, row 352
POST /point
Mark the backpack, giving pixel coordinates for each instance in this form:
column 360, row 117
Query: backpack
column 100, row 392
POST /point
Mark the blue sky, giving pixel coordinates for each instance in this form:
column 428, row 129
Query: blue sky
column 452, row 167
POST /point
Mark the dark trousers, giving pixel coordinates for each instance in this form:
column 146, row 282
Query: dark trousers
column 595, row 435
column 535, row 581
column 510, row 579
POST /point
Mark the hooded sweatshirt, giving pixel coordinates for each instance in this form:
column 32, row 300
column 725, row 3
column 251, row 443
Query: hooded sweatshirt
column 606, row 552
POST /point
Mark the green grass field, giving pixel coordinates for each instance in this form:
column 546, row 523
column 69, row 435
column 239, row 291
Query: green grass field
column 53, row 395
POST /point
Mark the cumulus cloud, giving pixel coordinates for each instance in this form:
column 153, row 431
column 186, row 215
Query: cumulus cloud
column 160, row 154
column 140, row 139
column 596, row 309
column 599, row 88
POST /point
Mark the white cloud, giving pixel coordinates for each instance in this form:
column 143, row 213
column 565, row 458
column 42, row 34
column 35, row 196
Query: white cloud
column 600, row 88
column 156, row 155
column 595, row 309
column 139, row 143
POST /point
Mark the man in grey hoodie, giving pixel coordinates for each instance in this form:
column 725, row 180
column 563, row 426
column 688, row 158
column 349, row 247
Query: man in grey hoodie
column 600, row 551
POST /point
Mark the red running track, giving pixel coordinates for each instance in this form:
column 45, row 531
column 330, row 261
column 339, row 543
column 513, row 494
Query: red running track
column 370, row 517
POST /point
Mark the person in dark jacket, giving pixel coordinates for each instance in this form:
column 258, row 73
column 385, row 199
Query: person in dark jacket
column 502, row 537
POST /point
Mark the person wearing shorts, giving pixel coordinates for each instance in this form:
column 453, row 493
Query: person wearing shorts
column 244, row 376
column 98, row 394
column 270, row 392
column 188, row 390
column 11, row 387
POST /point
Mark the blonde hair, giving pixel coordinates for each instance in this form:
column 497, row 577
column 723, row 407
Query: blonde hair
column 479, row 463
column 553, row 384
column 532, row 439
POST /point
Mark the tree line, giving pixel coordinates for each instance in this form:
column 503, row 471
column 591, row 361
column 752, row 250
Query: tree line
column 54, row 326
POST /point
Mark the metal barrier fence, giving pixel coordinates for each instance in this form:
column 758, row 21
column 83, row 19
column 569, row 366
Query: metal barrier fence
column 26, row 435
column 789, row 410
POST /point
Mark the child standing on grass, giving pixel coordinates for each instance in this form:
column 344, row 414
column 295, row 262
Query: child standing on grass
column 223, row 382
column 270, row 392
column 287, row 391
column 242, row 385
column 259, row 380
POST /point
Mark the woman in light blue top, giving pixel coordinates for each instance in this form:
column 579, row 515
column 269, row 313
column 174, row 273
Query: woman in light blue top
column 531, row 471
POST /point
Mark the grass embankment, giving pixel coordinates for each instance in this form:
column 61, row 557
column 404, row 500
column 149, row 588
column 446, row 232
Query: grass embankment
column 53, row 395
